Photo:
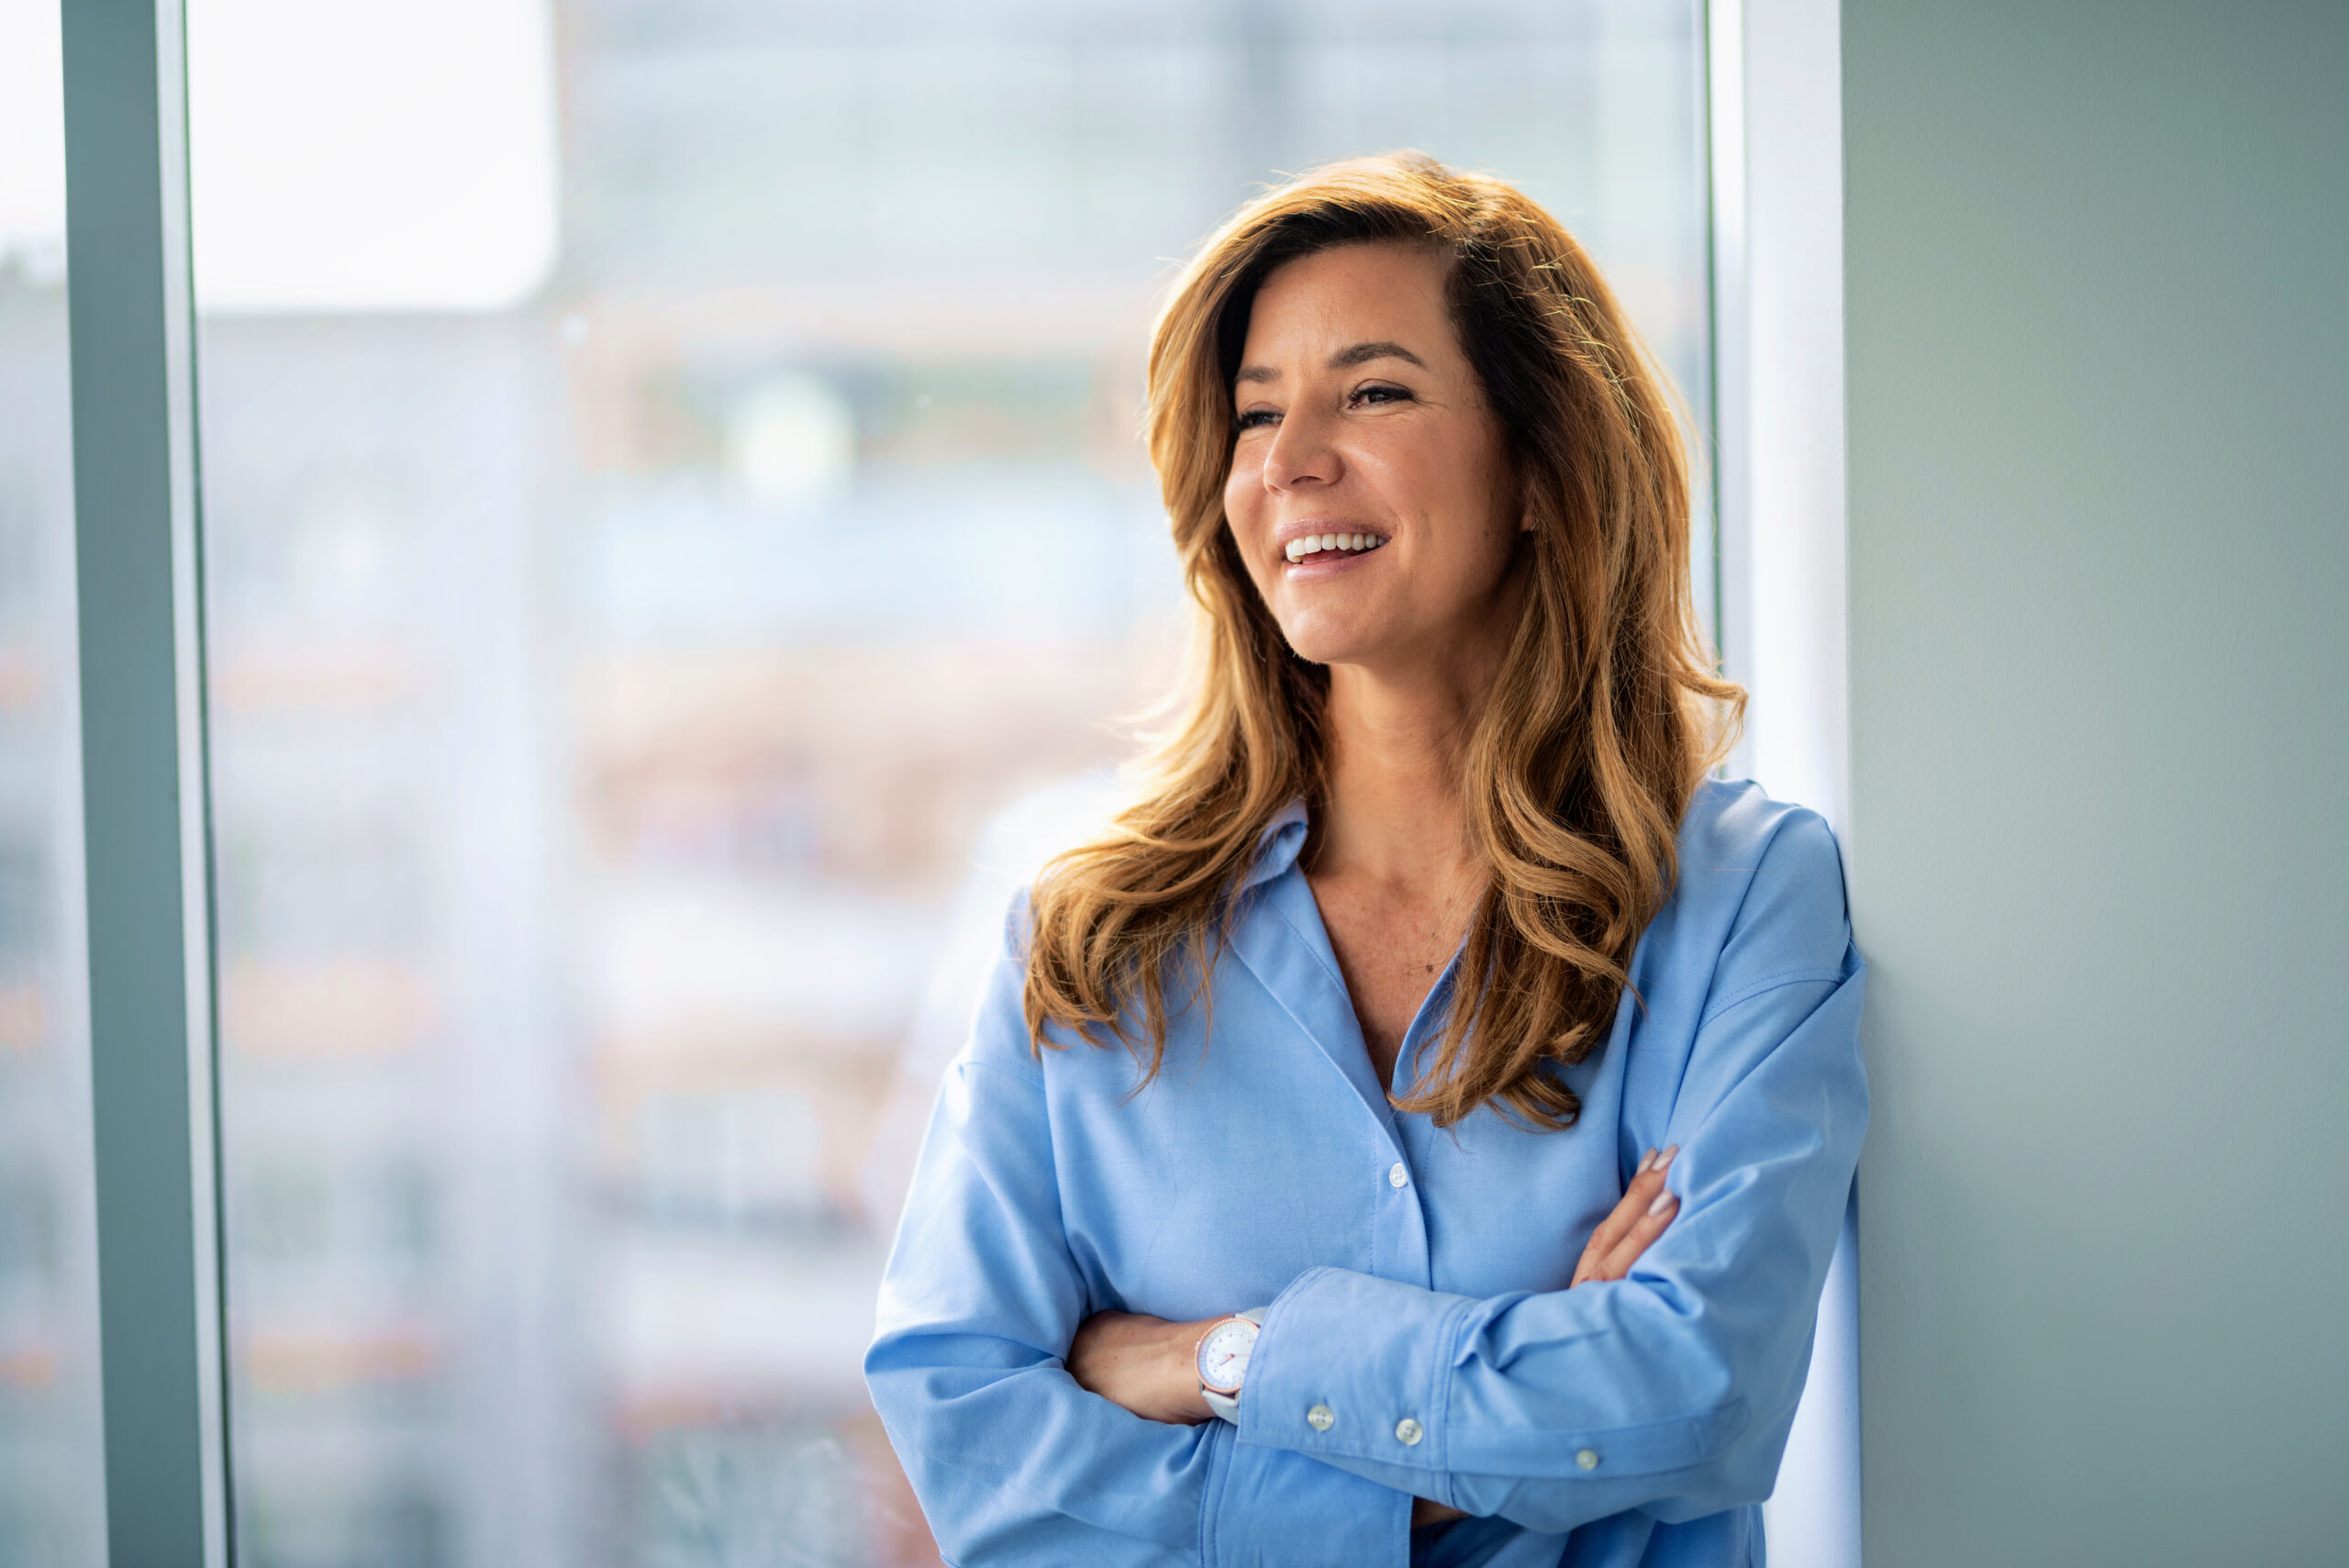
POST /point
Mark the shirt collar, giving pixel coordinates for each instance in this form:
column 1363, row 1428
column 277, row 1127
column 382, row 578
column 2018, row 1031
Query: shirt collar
column 1279, row 845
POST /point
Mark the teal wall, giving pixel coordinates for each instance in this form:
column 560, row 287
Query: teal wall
column 2096, row 262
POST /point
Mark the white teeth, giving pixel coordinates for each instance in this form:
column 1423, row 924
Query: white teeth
column 1314, row 544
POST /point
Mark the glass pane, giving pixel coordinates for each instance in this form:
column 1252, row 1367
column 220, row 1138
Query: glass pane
column 53, row 1476
column 678, row 544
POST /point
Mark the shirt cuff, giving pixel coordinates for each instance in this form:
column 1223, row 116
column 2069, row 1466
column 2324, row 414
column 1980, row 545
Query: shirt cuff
column 1265, row 1507
column 1352, row 1367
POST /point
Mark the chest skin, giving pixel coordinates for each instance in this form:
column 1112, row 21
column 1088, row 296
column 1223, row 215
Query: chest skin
column 1391, row 947
column 1265, row 1147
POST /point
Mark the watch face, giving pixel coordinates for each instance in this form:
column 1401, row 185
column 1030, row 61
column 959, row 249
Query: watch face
column 1223, row 1354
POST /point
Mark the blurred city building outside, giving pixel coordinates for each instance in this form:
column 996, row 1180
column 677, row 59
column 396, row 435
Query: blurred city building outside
column 52, row 1464
column 679, row 552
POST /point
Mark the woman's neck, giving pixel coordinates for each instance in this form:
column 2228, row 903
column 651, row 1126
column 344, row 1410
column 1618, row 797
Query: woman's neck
column 1396, row 815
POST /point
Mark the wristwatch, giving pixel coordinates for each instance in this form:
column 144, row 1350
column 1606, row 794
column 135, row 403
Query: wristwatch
column 1222, row 1357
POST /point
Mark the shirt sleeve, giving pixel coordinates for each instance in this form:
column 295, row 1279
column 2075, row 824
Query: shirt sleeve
column 1670, row 1391
column 1013, row 1462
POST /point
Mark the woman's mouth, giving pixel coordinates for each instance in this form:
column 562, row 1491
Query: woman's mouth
column 1341, row 544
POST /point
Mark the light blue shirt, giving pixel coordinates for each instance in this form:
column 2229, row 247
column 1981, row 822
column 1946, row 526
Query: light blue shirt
column 1414, row 1272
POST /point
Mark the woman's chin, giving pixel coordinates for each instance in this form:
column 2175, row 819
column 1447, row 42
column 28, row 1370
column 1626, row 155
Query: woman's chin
column 1317, row 641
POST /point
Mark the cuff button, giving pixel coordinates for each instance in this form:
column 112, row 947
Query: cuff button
column 1320, row 1417
column 1408, row 1432
column 1587, row 1459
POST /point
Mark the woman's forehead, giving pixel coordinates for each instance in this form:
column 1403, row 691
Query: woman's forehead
column 1334, row 302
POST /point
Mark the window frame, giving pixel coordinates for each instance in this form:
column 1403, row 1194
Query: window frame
column 146, row 818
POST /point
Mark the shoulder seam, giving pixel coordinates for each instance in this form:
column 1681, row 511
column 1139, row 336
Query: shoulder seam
column 1765, row 986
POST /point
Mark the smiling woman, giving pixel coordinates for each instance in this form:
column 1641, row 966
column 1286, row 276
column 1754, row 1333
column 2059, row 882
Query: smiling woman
column 1389, row 348
column 1425, row 926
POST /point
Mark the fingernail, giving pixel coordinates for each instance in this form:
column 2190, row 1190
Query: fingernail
column 1645, row 1161
column 1664, row 1200
column 1666, row 1158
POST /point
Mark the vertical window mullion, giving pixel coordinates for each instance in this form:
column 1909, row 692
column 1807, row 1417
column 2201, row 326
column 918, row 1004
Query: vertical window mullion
column 146, row 840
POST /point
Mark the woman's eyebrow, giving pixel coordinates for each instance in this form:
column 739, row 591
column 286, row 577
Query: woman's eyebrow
column 1361, row 353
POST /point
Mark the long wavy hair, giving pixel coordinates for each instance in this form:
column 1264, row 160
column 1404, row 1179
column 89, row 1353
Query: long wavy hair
column 1605, row 717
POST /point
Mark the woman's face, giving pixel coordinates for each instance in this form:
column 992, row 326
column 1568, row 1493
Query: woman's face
column 1360, row 417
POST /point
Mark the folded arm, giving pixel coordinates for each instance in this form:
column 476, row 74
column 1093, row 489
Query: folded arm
column 1149, row 1366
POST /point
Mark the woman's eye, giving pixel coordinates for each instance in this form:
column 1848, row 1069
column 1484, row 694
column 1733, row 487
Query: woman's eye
column 1382, row 394
column 1255, row 416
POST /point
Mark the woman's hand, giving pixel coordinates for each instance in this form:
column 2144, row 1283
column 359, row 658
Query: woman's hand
column 1647, row 1207
column 1147, row 1365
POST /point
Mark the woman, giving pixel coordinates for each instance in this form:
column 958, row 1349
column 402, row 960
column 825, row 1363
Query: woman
column 1428, row 944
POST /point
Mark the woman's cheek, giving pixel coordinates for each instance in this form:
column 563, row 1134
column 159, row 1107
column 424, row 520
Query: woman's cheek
column 1242, row 491
column 1243, row 509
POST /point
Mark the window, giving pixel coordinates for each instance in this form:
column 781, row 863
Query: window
column 677, row 551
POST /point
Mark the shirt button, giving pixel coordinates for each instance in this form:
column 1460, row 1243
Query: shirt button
column 1398, row 1176
column 1408, row 1432
column 1587, row 1459
column 1320, row 1417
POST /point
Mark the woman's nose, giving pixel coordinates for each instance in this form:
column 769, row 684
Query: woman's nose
column 1301, row 453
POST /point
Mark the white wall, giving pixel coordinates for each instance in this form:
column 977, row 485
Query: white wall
column 1777, row 153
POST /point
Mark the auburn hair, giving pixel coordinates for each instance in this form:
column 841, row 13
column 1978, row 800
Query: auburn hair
column 1604, row 719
